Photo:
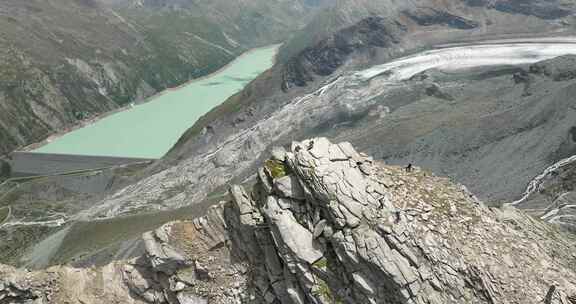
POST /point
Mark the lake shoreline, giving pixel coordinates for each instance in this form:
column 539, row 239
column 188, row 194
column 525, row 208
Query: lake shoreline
column 220, row 70
column 98, row 117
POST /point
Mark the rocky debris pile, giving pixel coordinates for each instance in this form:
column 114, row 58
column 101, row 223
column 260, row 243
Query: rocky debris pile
column 427, row 16
column 18, row 286
column 326, row 224
column 64, row 285
column 14, row 288
column 185, row 262
column 188, row 262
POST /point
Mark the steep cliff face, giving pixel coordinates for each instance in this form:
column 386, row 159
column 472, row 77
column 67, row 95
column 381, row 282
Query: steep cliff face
column 65, row 61
column 326, row 224
column 330, row 54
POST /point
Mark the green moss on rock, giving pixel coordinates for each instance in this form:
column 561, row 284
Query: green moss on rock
column 321, row 263
column 276, row 168
column 323, row 291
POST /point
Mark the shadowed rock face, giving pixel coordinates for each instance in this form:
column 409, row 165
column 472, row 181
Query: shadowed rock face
column 430, row 16
column 330, row 54
column 545, row 10
column 539, row 9
column 326, row 224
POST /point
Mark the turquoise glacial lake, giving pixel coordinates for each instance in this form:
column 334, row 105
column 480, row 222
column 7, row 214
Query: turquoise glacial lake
column 150, row 129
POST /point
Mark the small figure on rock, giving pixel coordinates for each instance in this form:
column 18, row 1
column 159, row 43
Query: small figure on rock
column 311, row 145
column 409, row 168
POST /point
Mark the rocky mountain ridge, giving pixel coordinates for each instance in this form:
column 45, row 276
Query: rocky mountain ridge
column 469, row 124
column 436, row 120
column 326, row 224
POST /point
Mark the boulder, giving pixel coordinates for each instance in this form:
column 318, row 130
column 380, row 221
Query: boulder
column 163, row 257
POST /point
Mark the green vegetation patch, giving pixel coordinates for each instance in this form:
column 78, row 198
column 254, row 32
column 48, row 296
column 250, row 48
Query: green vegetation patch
column 321, row 263
column 325, row 293
column 276, row 168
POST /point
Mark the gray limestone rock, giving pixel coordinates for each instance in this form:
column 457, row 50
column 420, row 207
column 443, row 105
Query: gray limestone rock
column 289, row 186
column 184, row 298
column 278, row 153
column 163, row 257
column 396, row 238
column 287, row 231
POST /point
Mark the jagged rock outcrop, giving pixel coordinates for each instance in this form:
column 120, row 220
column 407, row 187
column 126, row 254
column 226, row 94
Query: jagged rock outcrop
column 371, row 234
column 326, row 224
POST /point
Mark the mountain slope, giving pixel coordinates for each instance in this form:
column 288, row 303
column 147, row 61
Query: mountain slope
column 64, row 61
column 492, row 128
column 223, row 132
column 408, row 120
